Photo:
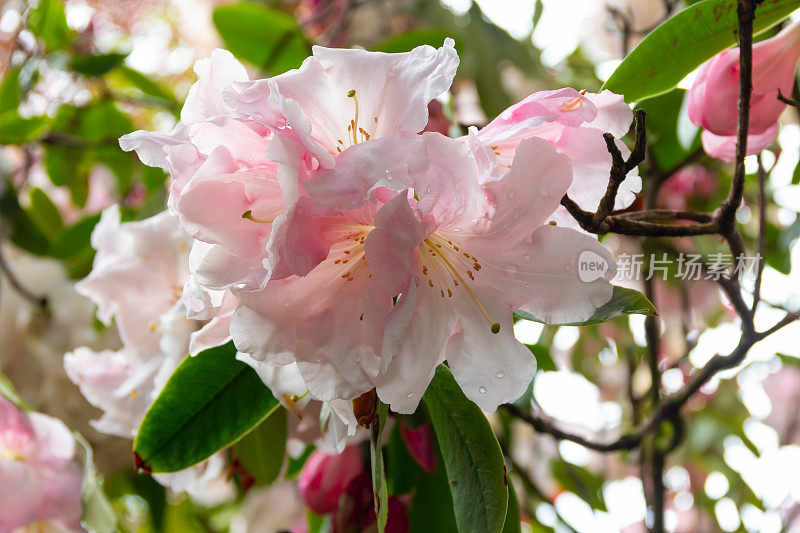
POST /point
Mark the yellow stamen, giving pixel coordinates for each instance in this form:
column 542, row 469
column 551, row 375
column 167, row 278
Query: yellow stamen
column 495, row 326
column 249, row 216
column 352, row 94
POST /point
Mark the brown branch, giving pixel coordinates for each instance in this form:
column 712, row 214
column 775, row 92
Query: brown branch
column 762, row 226
column 24, row 292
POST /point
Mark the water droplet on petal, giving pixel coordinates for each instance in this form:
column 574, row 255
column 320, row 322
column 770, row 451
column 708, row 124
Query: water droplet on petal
column 500, row 375
column 526, row 257
column 511, row 194
column 410, row 395
column 482, row 389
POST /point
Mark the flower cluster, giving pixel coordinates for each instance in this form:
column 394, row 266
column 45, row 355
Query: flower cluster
column 365, row 253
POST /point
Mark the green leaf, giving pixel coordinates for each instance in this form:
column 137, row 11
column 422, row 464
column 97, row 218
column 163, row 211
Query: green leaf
column 682, row 43
column 266, row 37
column 623, row 302
column 262, row 451
column 209, row 402
column 378, row 470
column 403, row 42
column 671, row 135
column 10, row 393
column 796, row 174
column 431, row 506
column 68, row 167
column 10, row 92
column 472, row 456
column 96, row 65
column 15, row 129
column 146, row 85
column 98, row 515
column 295, row 465
column 44, row 213
column 513, row 523
column 581, row 482
column 23, row 231
column 103, row 121
column 48, row 21
column 544, row 361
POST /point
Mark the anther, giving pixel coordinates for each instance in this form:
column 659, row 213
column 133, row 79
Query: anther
column 496, row 327
column 249, row 216
column 352, row 94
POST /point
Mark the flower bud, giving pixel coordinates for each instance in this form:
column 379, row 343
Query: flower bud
column 419, row 443
column 325, row 477
column 714, row 96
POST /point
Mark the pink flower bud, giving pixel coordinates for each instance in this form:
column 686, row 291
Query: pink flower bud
column 325, row 477
column 419, row 442
column 713, row 99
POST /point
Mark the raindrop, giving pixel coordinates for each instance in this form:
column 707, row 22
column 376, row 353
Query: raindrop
column 500, row 375
column 482, row 389
column 511, row 194
column 410, row 395
column 526, row 257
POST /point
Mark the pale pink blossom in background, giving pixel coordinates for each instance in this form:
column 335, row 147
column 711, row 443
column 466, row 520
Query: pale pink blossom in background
column 40, row 480
column 140, row 279
column 713, row 98
column 693, row 182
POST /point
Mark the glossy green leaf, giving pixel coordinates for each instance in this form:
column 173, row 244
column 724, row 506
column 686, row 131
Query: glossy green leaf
column 378, row 469
column 209, row 403
column 513, row 523
column 472, row 456
column 15, row 129
column 262, row 451
column 68, row 167
column 266, row 37
column 682, row 43
column 623, row 302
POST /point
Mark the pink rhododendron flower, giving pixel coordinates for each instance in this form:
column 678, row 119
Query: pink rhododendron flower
column 221, row 178
column 574, row 122
column 40, row 481
column 713, row 98
column 325, row 477
column 463, row 263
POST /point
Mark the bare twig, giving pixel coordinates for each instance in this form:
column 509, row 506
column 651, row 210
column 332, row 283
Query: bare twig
column 5, row 268
column 762, row 225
